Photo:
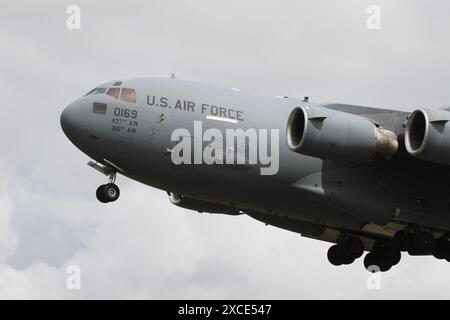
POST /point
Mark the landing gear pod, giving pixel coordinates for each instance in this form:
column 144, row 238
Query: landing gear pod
column 334, row 135
column 200, row 205
column 427, row 135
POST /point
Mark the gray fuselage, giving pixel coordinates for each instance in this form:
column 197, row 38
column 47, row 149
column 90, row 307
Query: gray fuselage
column 135, row 137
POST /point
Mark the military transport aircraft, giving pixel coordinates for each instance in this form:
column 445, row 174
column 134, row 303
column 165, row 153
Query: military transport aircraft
column 361, row 178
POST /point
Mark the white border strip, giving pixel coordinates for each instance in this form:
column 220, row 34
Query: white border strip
column 221, row 119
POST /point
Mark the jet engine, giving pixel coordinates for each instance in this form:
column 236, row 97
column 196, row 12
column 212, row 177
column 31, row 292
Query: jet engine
column 200, row 205
column 427, row 135
column 334, row 135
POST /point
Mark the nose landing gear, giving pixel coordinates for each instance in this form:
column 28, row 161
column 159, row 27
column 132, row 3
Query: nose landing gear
column 108, row 192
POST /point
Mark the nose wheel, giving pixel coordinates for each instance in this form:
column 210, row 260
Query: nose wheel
column 108, row 192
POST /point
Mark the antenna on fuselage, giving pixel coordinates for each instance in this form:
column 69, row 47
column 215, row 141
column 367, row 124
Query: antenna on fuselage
column 172, row 75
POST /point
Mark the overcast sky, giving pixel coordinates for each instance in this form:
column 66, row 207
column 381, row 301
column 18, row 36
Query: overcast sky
column 142, row 246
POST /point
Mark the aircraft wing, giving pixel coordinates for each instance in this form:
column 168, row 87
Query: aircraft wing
column 390, row 119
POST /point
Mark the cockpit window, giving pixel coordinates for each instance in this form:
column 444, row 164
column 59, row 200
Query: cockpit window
column 113, row 92
column 96, row 91
column 128, row 95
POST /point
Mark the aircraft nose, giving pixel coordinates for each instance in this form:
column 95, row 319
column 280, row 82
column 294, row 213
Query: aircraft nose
column 72, row 122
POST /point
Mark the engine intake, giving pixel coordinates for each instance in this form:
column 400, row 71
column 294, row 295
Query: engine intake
column 427, row 135
column 335, row 135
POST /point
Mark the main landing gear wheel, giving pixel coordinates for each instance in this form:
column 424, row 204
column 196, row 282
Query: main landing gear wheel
column 442, row 248
column 403, row 240
column 382, row 258
column 423, row 243
column 372, row 262
column 336, row 256
column 420, row 243
column 353, row 247
column 345, row 252
column 108, row 192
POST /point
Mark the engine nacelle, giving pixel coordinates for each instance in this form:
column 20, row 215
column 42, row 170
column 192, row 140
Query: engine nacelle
column 200, row 205
column 427, row 135
column 334, row 135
